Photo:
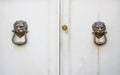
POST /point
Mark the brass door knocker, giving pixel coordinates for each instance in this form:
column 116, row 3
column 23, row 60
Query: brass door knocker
column 99, row 32
column 20, row 31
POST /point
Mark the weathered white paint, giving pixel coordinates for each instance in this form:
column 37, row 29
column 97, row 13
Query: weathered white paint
column 79, row 55
column 64, row 38
column 110, row 53
column 76, row 54
column 40, row 55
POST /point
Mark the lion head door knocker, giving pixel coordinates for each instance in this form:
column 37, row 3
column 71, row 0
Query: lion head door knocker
column 20, row 33
column 99, row 32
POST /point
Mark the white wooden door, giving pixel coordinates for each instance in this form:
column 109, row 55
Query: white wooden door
column 40, row 55
column 75, row 53
column 79, row 54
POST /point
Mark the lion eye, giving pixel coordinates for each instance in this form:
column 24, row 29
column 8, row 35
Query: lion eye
column 96, row 28
column 102, row 28
column 21, row 26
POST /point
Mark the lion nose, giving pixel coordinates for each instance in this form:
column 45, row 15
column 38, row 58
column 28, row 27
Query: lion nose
column 18, row 28
column 99, row 29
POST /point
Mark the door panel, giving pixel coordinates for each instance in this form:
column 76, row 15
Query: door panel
column 76, row 54
column 38, row 55
column 109, row 54
column 83, row 51
column 79, row 54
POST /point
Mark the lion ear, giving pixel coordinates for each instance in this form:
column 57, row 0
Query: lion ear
column 104, row 25
column 93, row 26
column 15, row 23
column 26, row 26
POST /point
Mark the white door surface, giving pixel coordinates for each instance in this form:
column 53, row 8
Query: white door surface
column 79, row 54
column 39, row 56
column 60, row 39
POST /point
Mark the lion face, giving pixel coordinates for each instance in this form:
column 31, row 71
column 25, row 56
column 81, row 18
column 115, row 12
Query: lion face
column 99, row 29
column 20, row 28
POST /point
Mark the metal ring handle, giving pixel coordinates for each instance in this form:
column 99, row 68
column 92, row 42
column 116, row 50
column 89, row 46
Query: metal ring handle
column 100, row 43
column 19, row 43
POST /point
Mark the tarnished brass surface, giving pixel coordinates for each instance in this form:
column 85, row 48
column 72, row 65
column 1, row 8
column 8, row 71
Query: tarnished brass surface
column 64, row 27
column 20, row 30
column 99, row 31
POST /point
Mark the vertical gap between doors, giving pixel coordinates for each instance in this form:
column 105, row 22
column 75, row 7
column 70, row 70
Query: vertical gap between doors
column 98, row 60
column 59, row 37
